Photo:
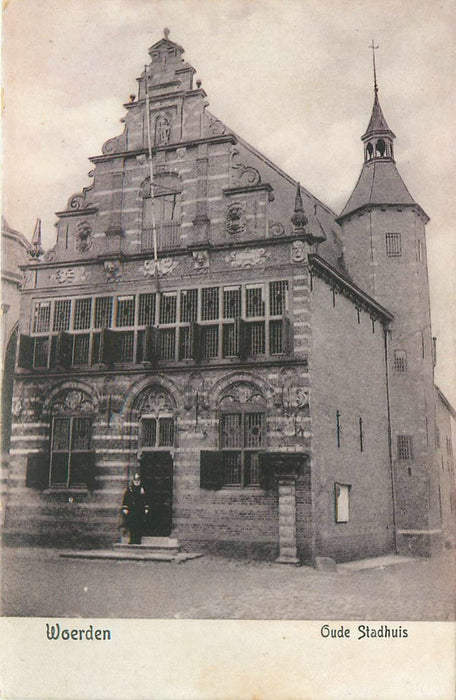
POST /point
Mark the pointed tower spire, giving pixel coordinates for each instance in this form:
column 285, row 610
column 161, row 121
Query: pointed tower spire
column 35, row 250
column 378, row 138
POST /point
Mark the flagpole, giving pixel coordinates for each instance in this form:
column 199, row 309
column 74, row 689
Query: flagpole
column 151, row 172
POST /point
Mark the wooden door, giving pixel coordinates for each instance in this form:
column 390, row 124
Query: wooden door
column 157, row 481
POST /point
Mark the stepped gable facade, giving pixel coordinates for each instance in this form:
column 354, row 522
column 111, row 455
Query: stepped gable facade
column 204, row 317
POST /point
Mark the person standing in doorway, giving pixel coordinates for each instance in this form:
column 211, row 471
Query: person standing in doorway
column 135, row 509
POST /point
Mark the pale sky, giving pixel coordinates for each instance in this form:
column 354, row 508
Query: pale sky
column 292, row 77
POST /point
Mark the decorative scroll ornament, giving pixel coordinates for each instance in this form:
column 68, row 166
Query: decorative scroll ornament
column 201, row 260
column 248, row 258
column 235, row 218
column 156, row 402
column 163, row 266
column 113, row 270
column 276, row 228
column 242, row 393
column 244, row 175
column 77, row 201
column 74, row 401
column 181, row 153
column 113, row 145
column 298, row 251
column 70, row 275
column 83, row 237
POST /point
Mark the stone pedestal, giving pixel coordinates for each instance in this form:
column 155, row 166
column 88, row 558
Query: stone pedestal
column 287, row 520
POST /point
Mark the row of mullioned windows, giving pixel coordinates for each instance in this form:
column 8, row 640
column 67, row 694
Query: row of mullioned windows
column 241, row 439
column 205, row 323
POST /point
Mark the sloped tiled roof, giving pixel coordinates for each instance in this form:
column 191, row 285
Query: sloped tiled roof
column 379, row 183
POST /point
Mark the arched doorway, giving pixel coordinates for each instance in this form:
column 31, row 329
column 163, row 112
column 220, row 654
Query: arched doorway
column 155, row 410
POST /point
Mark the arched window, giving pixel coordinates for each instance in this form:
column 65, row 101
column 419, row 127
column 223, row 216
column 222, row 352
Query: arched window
column 165, row 207
column 242, row 434
column 71, row 456
column 370, row 151
column 156, row 414
column 380, row 148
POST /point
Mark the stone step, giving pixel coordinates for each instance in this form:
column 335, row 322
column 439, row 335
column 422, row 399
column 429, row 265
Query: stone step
column 129, row 555
column 159, row 545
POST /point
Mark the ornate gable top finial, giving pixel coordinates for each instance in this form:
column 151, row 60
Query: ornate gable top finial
column 35, row 250
column 166, row 32
column 299, row 219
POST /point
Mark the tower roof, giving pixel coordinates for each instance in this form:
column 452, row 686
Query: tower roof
column 379, row 183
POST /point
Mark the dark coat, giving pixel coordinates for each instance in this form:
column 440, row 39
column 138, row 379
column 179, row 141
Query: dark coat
column 134, row 508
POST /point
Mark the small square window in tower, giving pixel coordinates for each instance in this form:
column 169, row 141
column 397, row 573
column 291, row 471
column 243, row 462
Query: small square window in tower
column 400, row 361
column 393, row 245
column 404, row 447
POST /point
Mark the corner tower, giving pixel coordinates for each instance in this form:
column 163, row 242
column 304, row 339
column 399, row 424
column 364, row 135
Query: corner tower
column 385, row 253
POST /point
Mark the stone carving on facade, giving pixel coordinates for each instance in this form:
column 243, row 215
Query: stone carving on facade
column 181, row 153
column 201, row 260
column 27, row 278
column 70, row 275
column 243, row 175
column 162, row 129
column 84, row 237
column 235, row 218
column 17, row 406
column 276, row 228
column 156, row 401
column 164, row 266
column 144, row 190
column 216, row 127
column 49, row 255
column 248, row 258
column 72, row 401
column 113, row 270
column 242, row 393
column 195, row 394
column 298, row 251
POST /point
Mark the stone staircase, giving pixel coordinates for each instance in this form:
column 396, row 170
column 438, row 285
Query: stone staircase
column 165, row 549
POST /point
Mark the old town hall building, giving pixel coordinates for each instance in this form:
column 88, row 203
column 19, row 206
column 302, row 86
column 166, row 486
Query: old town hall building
column 267, row 364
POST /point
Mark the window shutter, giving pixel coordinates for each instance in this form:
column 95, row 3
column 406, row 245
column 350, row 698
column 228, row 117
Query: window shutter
column 65, row 349
column 287, row 338
column 195, row 340
column 151, row 345
column 211, row 470
column 90, row 457
column 25, row 357
column 242, row 338
column 109, row 346
column 266, row 471
column 37, row 474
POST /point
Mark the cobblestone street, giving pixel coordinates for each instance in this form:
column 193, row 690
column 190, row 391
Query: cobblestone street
column 37, row 582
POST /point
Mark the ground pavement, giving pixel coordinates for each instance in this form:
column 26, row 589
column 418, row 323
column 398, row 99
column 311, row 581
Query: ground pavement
column 40, row 583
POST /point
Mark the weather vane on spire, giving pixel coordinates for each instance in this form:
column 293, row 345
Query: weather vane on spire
column 373, row 47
